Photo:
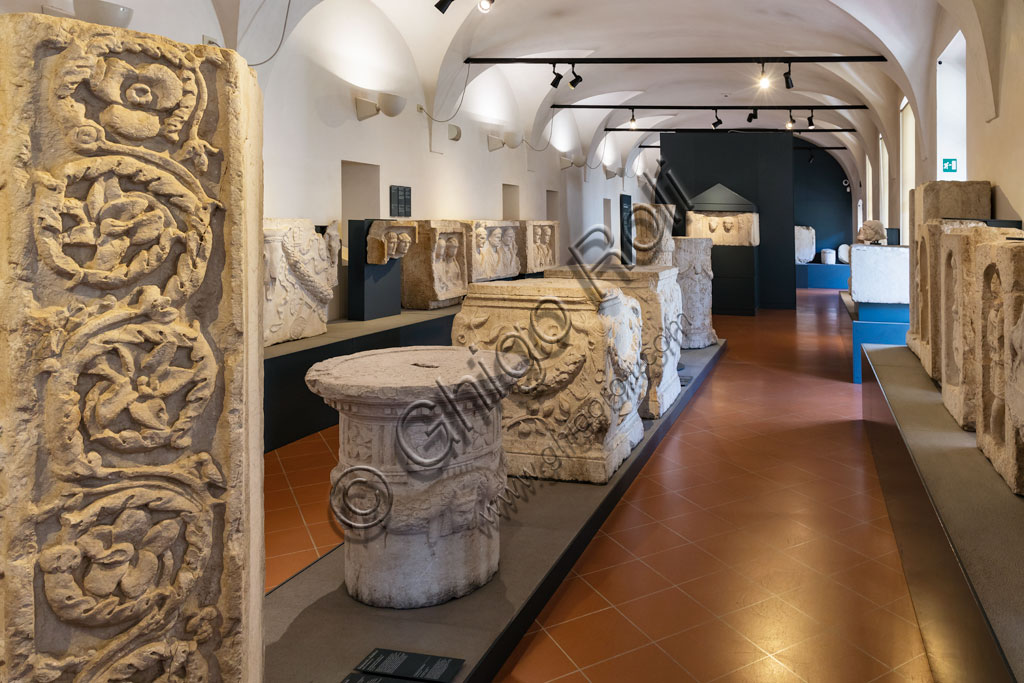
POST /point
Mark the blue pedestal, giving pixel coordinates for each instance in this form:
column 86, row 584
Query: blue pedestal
column 822, row 276
column 878, row 324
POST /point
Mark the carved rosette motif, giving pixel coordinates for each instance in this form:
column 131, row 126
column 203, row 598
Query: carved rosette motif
column 129, row 502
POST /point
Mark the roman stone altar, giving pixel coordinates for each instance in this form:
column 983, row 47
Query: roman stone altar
column 656, row 288
column 692, row 259
column 131, row 411
column 420, row 469
column 494, row 250
column 539, row 245
column 573, row 415
column 725, row 228
column 653, row 241
column 434, row 272
column 300, row 272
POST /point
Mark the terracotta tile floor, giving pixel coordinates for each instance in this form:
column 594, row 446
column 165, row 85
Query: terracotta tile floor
column 299, row 528
column 755, row 545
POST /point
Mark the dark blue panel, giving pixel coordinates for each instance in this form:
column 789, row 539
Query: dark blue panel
column 373, row 291
column 884, row 313
column 894, row 334
column 820, row 199
column 822, row 276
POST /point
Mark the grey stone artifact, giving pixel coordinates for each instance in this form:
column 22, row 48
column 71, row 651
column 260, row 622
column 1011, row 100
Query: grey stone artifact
column 806, row 241
column 389, row 240
column 656, row 288
column 131, row 415
column 1000, row 359
column 959, row 308
column 539, row 245
column 843, row 253
column 434, row 271
column 873, row 232
column 725, row 228
column 828, row 257
column 653, row 241
column 300, row 272
column 692, row 257
column 494, row 254
column 573, row 415
column 420, row 469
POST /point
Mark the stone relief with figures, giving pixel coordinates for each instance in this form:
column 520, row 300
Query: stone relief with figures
column 725, row 228
column 434, row 272
column 653, row 243
column 389, row 240
column 573, row 415
column 300, row 273
column 494, row 252
column 132, row 188
column 692, row 259
column 539, row 245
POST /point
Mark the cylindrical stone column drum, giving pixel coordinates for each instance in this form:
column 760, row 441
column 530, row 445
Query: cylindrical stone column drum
column 420, row 469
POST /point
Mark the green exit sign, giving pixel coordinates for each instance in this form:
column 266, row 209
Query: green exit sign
column 949, row 165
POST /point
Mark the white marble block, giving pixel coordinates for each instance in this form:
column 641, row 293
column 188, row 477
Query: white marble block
column 131, row 415
column 879, row 275
column 388, row 240
column 692, row 259
column 539, row 245
column 494, row 250
column 725, row 228
column 656, row 288
column 960, row 282
column 806, row 248
column 300, row 272
column 843, row 254
column 653, row 241
column 421, row 426
column 574, row 415
column 1000, row 359
column 434, row 271
column 935, row 201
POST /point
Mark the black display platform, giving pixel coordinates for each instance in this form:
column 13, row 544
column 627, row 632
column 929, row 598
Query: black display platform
column 960, row 530
column 313, row 630
column 734, row 291
column 373, row 291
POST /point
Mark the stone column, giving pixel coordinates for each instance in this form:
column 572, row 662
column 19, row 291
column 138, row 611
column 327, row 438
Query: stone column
column 656, row 288
column 131, row 540
column 692, row 258
column 960, row 284
column 653, row 240
column 420, row 470
column 573, row 415
column 999, row 363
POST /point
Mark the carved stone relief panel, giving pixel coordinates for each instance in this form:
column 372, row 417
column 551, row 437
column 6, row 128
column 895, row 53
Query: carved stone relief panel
column 131, row 415
column 494, row 250
column 725, row 228
column 573, row 415
column 300, row 272
column 434, row 272
column 653, row 243
column 692, row 259
column 959, row 316
column 999, row 363
column 539, row 246
column 389, row 240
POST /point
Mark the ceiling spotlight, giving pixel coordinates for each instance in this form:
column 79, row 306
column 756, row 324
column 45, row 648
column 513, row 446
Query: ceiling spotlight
column 632, row 119
column 789, row 77
column 557, row 80
column 810, row 158
column 576, row 79
column 443, row 5
column 752, row 116
column 764, row 81
column 810, row 120
column 791, row 122
column 485, row 5
column 718, row 121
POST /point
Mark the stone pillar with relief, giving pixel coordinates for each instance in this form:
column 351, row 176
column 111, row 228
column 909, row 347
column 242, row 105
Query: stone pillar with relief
column 656, row 288
column 131, row 536
column 999, row 363
column 434, row 271
column 960, row 284
column 652, row 243
column 573, row 415
column 692, row 258
column 420, row 469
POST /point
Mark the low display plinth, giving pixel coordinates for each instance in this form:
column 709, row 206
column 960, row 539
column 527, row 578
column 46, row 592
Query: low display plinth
column 878, row 324
column 735, row 289
column 313, row 630
column 822, row 275
column 959, row 529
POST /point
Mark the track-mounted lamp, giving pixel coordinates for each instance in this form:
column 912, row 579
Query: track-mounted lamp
column 752, row 116
column 485, row 5
column 764, row 82
column 443, row 5
column 576, row 79
column 717, row 122
column 788, row 76
column 791, row 122
column 632, row 119
column 810, row 120
column 557, row 80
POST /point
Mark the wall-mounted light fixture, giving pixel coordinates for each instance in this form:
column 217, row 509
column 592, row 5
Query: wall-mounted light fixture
column 101, row 12
column 494, row 143
column 609, row 173
column 454, row 132
column 565, row 163
column 387, row 104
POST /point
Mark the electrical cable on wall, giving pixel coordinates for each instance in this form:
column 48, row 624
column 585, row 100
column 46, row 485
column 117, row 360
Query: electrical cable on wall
column 284, row 30
column 457, row 109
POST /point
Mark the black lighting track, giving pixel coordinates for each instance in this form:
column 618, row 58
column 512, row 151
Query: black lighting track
column 714, row 107
column 579, row 61
column 828, row 149
column 730, row 130
column 650, row 146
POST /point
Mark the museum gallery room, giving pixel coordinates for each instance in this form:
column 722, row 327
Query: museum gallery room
column 384, row 341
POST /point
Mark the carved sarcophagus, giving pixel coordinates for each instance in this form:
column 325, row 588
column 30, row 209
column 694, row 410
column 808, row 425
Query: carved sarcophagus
column 420, row 470
column 300, row 272
column 131, row 538
column 656, row 288
column 434, row 271
column 692, row 258
column 572, row 415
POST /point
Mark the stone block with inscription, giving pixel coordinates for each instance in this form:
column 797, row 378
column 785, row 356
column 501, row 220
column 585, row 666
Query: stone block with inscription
column 131, row 536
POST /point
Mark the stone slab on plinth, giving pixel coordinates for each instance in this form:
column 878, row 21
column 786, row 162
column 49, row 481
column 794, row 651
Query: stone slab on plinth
column 300, row 272
column 131, row 535
column 959, row 316
column 725, row 228
column 420, row 469
column 880, row 274
column 653, row 243
column 434, row 270
column 692, row 258
column 574, row 415
column 656, row 288
column 539, row 245
column 999, row 363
